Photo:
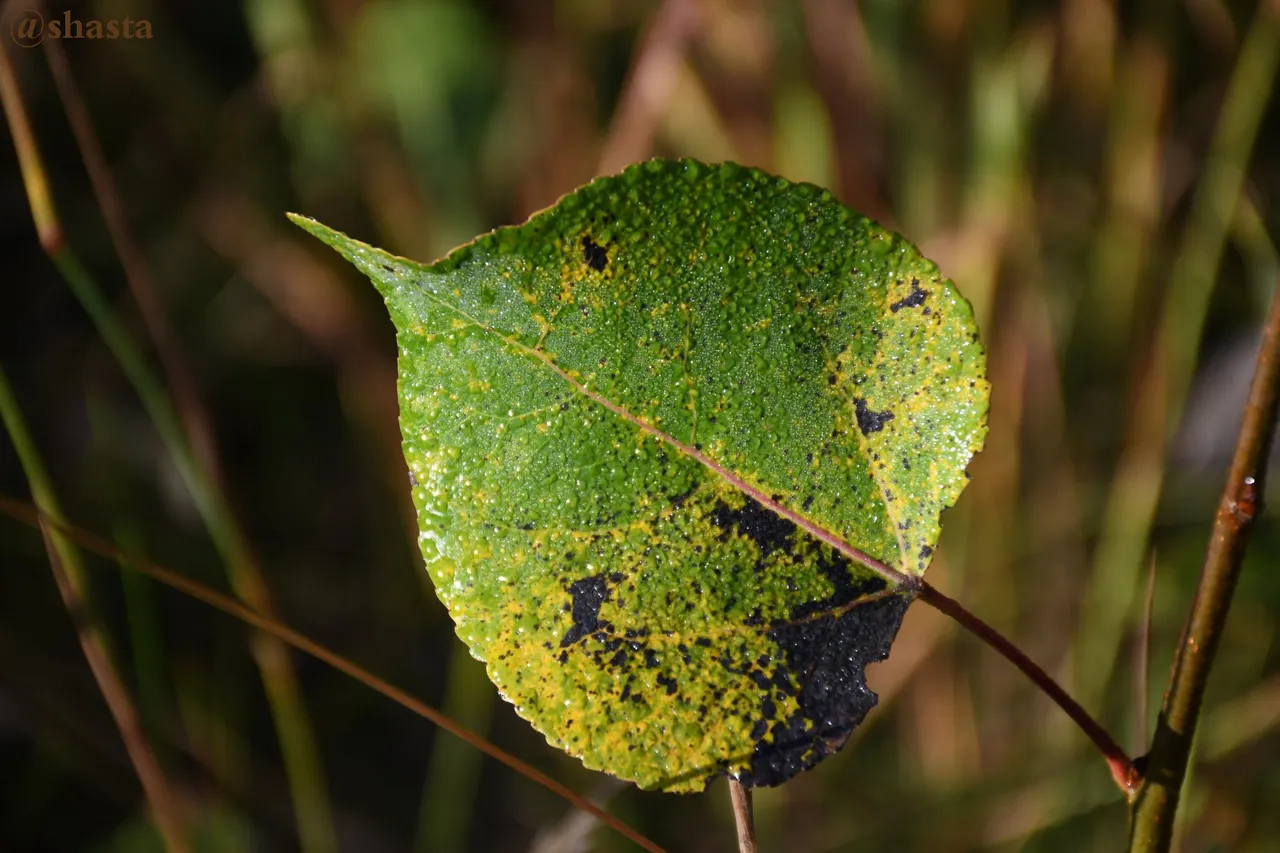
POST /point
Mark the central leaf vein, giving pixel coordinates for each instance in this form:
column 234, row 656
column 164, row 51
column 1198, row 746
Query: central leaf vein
column 894, row 576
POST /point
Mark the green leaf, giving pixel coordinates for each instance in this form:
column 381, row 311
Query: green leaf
column 629, row 424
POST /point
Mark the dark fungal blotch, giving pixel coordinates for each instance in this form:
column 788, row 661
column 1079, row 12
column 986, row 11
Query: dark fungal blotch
column 870, row 421
column 828, row 656
column 594, row 254
column 822, row 662
column 914, row 299
column 764, row 527
column 588, row 596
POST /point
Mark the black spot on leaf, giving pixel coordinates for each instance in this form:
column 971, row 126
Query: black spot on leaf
column 765, row 527
column 869, row 421
column 829, row 656
column 595, row 255
column 588, row 595
column 914, row 299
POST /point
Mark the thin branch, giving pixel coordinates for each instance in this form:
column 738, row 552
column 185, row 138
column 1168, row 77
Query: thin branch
column 743, row 816
column 33, row 517
column 1152, row 822
column 1240, row 505
column 1121, row 766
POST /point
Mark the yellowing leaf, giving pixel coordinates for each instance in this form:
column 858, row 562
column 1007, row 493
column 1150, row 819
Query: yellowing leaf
column 589, row 403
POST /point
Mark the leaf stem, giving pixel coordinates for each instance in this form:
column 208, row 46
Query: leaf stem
column 743, row 816
column 1240, row 505
column 900, row 579
column 1121, row 766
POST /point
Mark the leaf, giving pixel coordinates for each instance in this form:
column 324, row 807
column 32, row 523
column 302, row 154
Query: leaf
column 626, row 420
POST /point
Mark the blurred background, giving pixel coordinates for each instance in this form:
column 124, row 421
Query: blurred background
column 1101, row 179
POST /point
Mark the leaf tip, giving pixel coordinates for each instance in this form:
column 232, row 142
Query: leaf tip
column 316, row 228
column 393, row 276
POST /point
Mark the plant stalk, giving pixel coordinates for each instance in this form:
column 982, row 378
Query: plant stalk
column 1159, row 398
column 1156, row 804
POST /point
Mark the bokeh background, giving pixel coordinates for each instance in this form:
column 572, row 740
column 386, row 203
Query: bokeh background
column 1101, row 179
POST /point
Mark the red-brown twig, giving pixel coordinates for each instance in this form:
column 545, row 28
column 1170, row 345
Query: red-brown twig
column 1121, row 766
